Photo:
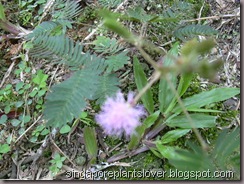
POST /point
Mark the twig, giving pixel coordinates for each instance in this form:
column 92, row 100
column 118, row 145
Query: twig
column 200, row 13
column 127, row 154
column 147, row 57
column 7, row 74
column 28, row 129
column 110, row 151
column 46, row 8
column 212, row 17
column 155, row 77
column 54, row 74
column 56, row 146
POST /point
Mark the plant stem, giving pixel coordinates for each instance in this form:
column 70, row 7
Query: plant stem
column 155, row 77
column 148, row 58
column 9, row 27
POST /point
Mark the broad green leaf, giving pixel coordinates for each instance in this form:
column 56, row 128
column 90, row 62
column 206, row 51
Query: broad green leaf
column 185, row 81
column 15, row 122
column 4, row 148
column 7, row 108
column 83, row 114
column 141, row 81
column 3, row 119
column 40, row 128
column 65, row 129
column 19, row 104
column 226, row 145
column 173, row 135
column 2, row 14
column 25, row 118
column 19, row 85
column 198, row 120
column 140, row 130
column 41, row 92
column 156, row 152
column 191, row 161
column 90, row 143
column 150, row 120
column 136, row 137
column 167, row 151
column 40, row 79
column 208, row 97
column 165, row 95
column 203, row 110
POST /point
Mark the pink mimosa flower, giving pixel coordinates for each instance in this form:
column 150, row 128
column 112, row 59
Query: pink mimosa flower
column 118, row 116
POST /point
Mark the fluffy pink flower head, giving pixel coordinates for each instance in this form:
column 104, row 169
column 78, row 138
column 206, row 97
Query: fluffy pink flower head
column 118, row 116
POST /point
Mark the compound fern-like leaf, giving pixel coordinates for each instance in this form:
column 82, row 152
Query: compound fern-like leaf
column 116, row 62
column 109, row 3
column 68, row 99
column 107, row 87
column 193, row 30
column 65, row 9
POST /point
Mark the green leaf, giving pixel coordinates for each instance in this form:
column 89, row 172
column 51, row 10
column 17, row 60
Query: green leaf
column 141, row 81
column 116, row 62
column 68, row 98
column 65, row 129
column 167, row 151
column 140, row 130
column 106, row 45
column 165, row 95
column 203, row 110
column 57, row 157
column 33, row 139
column 3, row 119
column 198, row 120
column 227, row 144
column 90, row 143
column 185, row 81
column 139, row 14
column 192, row 161
column 25, row 118
column 15, row 122
column 19, row 104
column 208, row 97
column 33, row 93
column 7, row 108
column 194, row 30
column 109, row 3
column 2, row 14
column 136, row 137
column 19, row 86
column 83, row 115
column 4, row 148
column 41, row 92
column 40, row 79
column 45, row 131
column 173, row 135
column 150, row 120
column 59, row 164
